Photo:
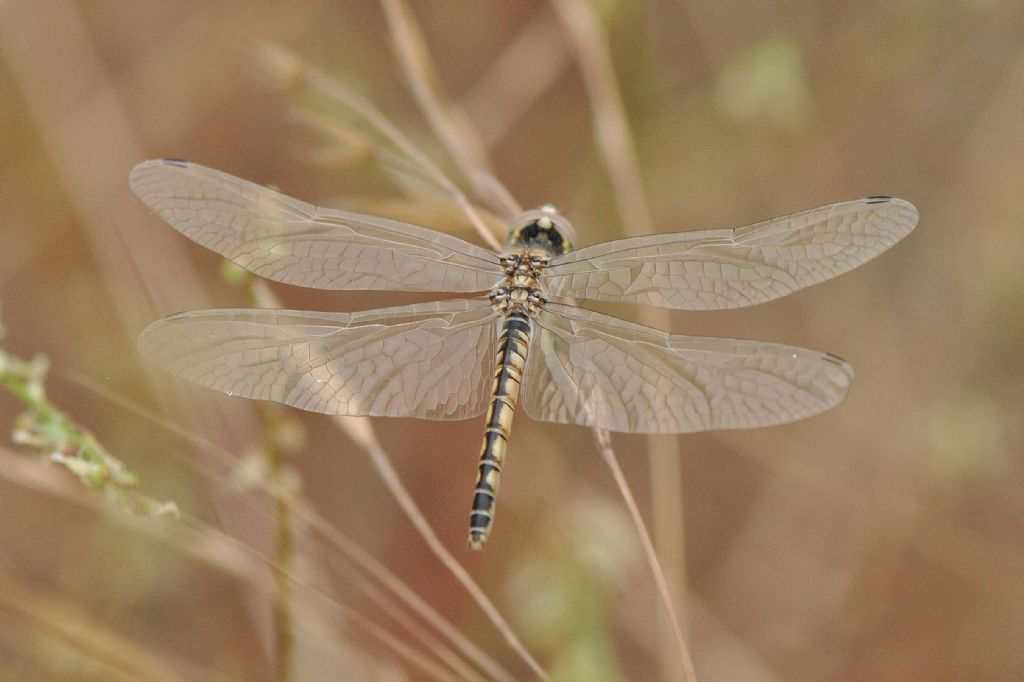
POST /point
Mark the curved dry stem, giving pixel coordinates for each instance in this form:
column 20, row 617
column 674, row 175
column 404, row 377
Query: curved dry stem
column 210, row 539
column 373, row 567
column 290, row 68
column 359, row 430
column 455, row 133
column 611, row 129
column 393, row 610
column 303, row 512
column 217, row 550
column 427, row 203
column 604, row 444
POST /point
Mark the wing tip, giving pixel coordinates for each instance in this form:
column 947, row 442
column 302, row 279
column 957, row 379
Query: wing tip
column 833, row 387
column 886, row 199
column 142, row 173
column 146, row 337
column 153, row 163
column 159, row 331
column 167, row 161
column 839, row 362
column 903, row 214
column 150, row 164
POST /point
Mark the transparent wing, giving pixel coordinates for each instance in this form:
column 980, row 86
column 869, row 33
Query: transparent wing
column 594, row 370
column 430, row 360
column 710, row 269
column 290, row 241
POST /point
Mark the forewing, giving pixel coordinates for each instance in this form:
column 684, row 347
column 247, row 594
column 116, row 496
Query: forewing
column 290, row 241
column 594, row 370
column 425, row 360
column 712, row 269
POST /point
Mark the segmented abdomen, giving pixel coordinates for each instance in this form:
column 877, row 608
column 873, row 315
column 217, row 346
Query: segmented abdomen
column 513, row 345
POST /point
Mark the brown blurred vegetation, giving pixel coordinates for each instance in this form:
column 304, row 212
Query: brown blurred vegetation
column 881, row 541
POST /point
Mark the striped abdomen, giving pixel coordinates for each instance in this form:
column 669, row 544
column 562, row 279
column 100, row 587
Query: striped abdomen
column 513, row 344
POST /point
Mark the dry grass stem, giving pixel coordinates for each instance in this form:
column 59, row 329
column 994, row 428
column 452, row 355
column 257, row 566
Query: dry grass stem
column 289, row 67
column 214, row 548
column 443, row 652
column 615, row 140
column 351, row 145
column 611, row 128
column 617, row 145
column 450, row 126
column 360, row 430
column 225, row 544
column 427, row 203
column 414, row 601
column 334, row 537
column 902, row 500
column 604, row 445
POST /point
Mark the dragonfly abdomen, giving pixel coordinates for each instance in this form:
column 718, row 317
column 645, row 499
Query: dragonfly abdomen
column 513, row 345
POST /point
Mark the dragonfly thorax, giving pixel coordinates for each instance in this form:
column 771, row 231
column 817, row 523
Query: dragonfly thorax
column 521, row 290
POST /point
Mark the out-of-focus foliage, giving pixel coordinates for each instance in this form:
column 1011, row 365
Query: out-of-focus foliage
column 768, row 82
column 881, row 541
column 45, row 429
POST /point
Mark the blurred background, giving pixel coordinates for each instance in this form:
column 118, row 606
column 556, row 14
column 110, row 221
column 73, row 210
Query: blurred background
column 880, row 541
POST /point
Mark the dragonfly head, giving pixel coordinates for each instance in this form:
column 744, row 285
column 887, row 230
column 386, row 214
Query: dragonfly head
column 543, row 228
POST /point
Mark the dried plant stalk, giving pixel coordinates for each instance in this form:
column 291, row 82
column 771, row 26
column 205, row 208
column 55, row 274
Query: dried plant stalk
column 615, row 140
column 452, row 129
column 413, row 55
column 290, row 68
column 616, row 143
column 210, row 539
column 303, row 513
column 604, row 445
column 360, row 430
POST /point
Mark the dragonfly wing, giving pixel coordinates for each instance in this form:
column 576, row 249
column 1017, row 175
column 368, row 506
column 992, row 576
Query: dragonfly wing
column 290, row 241
column 712, row 269
column 594, row 370
column 429, row 360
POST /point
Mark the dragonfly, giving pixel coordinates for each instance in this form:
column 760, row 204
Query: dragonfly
column 517, row 336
